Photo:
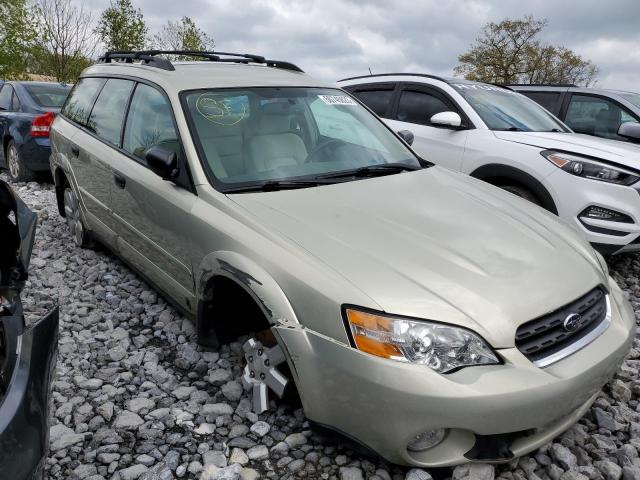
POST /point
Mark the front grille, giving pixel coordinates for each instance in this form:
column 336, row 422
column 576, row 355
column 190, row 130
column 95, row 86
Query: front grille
column 548, row 336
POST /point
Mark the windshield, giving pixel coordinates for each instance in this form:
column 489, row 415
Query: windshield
column 48, row 96
column 504, row 109
column 632, row 97
column 256, row 135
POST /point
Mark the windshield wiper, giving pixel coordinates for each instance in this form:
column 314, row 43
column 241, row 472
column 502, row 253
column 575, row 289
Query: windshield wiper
column 375, row 170
column 273, row 185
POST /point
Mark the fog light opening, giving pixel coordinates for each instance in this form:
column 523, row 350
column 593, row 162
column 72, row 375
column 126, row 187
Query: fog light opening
column 601, row 213
column 427, row 440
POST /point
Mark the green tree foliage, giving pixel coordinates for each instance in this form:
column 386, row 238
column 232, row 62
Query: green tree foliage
column 182, row 35
column 17, row 38
column 511, row 52
column 122, row 27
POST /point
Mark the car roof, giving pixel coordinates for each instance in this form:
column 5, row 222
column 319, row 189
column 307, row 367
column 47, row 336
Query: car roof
column 382, row 77
column 199, row 75
column 572, row 88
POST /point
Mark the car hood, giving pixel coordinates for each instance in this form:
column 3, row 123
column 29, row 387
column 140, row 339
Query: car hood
column 437, row 245
column 623, row 153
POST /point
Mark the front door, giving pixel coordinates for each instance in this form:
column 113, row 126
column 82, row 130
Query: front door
column 152, row 214
column 416, row 105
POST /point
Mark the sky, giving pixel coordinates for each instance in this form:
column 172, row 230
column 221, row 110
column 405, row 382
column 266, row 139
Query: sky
column 333, row 39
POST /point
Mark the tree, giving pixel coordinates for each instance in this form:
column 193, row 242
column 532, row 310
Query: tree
column 122, row 27
column 67, row 42
column 182, row 35
column 510, row 52
column 17, row 38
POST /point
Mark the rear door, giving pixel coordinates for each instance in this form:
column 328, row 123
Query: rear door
column 87, row 161
column 379, row 97
column 417, row 103
column 6, row 95
column 152, row 215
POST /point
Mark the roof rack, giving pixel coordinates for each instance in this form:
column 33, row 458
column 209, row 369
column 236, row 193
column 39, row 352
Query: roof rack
column 150, row 58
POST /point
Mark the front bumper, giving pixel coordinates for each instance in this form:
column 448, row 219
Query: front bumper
column 575, row 194
column 24, row 408
column 384, row 404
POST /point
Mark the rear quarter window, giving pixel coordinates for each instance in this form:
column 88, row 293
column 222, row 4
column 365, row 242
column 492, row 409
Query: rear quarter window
column 80, row 101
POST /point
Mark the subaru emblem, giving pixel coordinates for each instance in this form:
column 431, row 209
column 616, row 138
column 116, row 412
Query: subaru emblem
column 572, row 322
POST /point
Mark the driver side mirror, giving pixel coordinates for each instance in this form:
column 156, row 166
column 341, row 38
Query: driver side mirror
column 630, row 130
column 163, row 162
column 446, row 120
column 407, row 136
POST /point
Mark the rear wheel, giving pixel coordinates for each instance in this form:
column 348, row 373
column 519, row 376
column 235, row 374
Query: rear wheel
column 522, row 192
column 74, row 219
column 18, row 171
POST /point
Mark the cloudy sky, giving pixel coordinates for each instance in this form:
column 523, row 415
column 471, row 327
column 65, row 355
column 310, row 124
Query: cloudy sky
column 333, row 39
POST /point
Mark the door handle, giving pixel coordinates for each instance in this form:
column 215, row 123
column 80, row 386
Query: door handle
column 119, row 180
column 75, row 151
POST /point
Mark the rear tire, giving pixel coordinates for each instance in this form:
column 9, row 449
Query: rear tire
column 18, row 171
column 77, row 228
column 522, row 193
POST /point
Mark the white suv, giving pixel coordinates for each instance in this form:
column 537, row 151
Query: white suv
column 506, row 139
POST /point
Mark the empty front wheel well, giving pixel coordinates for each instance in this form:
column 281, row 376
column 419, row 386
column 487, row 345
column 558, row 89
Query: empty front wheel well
column 227, row 312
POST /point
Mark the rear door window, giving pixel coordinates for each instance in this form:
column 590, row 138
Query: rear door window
column 5, row 97
column 109, row 110
column 149, row 123
column 419, row 106
column 597, row 116
column 548, row 100
column 80, row 100
column 378, row 98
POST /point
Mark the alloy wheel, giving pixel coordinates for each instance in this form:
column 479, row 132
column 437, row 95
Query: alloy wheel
column 72, row 212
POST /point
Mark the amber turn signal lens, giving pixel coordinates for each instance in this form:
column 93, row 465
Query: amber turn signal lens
column 370, row 334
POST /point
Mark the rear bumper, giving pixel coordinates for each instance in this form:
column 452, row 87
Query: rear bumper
column 24, row 408
column 384, row 404
column 35, row 154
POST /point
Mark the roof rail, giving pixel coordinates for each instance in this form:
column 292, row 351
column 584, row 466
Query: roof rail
column 150, row 58
column 434, row 77
column 567, row 85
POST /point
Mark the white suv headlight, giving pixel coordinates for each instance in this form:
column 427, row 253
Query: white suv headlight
column 441, row 347
column 589, row 168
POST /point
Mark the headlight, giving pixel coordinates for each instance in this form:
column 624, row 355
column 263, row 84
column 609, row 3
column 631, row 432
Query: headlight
column 588, row 168
column 441, row 347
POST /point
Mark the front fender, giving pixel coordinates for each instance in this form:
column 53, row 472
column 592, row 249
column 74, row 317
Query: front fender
column 253, row 278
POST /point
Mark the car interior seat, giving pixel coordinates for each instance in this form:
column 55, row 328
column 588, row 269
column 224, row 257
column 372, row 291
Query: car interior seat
column 274, row 144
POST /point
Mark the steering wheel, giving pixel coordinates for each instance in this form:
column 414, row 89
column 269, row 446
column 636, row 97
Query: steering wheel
column 331, row 145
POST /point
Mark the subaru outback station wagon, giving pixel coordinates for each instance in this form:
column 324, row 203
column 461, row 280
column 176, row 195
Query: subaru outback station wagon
column 497, row 135
column 432, row 317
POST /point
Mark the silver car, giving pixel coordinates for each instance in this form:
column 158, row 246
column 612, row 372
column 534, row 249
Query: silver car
column 431, row 317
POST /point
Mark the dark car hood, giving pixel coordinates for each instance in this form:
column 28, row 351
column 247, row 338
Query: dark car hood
column 439, row 245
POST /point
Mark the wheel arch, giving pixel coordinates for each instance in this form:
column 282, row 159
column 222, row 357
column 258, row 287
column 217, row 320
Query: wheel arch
column 497, row 174
column 60, row 180
column 231, row 273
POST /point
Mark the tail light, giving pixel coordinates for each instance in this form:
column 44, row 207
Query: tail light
column 41, row 125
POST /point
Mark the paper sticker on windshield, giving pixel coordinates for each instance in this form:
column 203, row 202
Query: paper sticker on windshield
column 337, row 100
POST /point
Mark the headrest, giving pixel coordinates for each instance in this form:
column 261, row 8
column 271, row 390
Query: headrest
column 274, row 118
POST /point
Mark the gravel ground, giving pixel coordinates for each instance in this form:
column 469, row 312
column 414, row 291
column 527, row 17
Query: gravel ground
column 136, row 398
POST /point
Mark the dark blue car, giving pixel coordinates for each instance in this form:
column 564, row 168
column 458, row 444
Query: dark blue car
column 27, row 110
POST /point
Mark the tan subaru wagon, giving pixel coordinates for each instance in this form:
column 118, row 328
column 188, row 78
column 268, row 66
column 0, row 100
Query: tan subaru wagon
column 431, row 317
